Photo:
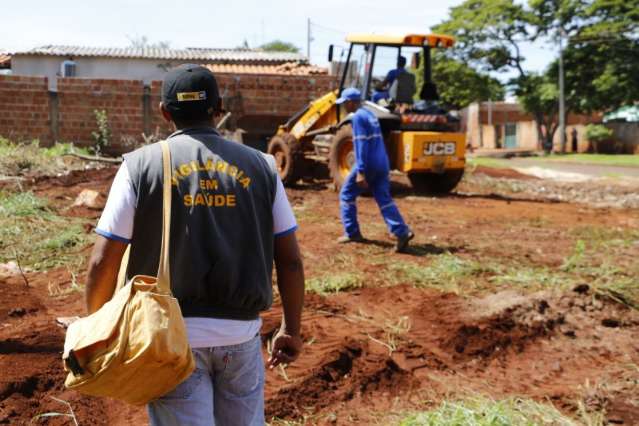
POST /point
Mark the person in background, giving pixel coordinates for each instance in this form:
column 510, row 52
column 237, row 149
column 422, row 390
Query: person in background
column 371, row 170
column 230, row 219
column 381, row 91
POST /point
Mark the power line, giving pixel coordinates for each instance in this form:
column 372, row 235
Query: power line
column 325, row 28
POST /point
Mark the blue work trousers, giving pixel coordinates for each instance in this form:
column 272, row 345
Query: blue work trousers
column 379, row 184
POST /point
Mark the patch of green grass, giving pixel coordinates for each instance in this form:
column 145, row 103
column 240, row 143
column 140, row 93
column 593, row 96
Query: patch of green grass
column 39, row 238
column 486, row 412
column 446, row 272
column 625, row 160
column 528, row 277
column 598, row 260
column 604, row 276
column 606, row 236
column 22, row 204
column 334, row 283
column 607, row 265
column 20, row 158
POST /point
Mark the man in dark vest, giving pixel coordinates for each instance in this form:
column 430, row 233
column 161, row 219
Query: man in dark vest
column 230, row 219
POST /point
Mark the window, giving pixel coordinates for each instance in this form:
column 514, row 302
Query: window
column 68, row 69
column 385, row 69
column 357, row 66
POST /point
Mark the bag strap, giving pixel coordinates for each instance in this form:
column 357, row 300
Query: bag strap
column 164, row 272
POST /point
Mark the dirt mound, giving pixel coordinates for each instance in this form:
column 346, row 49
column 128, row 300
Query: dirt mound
column 539, row 316
column 32, row 380
column 512, row 329
column 63, row 190
column 343, row 375
column 75, row 178
column 542, row 345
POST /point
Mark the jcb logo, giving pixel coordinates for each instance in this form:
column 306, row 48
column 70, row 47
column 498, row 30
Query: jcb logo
column 439, row 148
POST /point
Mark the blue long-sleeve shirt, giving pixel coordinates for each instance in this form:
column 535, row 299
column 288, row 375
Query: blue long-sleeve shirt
column 368, row 142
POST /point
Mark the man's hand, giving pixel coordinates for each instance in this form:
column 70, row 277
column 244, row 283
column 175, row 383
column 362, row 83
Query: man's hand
column 287, row 343
column 286, row 348
column 360, row 180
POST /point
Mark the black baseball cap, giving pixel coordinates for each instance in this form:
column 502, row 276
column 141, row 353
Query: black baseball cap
column 190, row 91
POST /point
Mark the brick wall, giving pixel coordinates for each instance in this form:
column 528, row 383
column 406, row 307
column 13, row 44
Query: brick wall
column 158, row 125
column 274, row 94
column 78, row 99
column 24, row 108
column 29, row 111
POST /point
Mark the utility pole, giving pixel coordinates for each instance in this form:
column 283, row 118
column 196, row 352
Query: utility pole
column 309, row 38
column 562, row 100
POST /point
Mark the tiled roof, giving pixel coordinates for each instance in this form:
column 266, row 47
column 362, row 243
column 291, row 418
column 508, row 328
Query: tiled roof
column 5, row 60
column 290, row 68
column 207, row 55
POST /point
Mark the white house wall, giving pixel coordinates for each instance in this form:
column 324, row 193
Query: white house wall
column 109, row 68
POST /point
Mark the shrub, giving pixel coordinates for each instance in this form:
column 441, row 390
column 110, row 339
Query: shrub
column 103, row 134
column 600, row 138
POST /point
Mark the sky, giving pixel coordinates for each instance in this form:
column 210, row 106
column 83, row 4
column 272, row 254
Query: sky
column 200, row 23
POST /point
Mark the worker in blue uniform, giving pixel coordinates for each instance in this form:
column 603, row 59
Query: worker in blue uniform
column 371, row 170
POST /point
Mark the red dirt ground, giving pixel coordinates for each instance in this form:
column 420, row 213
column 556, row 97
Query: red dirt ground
column 548, row 346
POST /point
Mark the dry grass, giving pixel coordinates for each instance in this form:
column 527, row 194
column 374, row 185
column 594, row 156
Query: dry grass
column 35, row 235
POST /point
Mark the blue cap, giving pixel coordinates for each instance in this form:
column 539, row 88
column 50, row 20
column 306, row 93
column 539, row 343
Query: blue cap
column 349, row 94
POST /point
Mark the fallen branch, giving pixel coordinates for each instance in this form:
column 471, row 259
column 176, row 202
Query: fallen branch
column 94, row 158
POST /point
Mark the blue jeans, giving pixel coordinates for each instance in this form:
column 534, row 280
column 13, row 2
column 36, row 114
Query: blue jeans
column 226, row 388
column 379, row 184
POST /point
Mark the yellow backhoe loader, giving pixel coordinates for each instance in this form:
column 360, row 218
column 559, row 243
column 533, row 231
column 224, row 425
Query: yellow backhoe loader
column 422, row 139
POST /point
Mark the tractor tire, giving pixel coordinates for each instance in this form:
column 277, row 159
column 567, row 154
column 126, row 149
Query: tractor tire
column 288, row 155
column 341, row 156
column 435, row 183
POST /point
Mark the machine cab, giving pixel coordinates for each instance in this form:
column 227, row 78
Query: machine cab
column 394, row 72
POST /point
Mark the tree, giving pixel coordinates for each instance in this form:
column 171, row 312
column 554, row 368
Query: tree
column 458, row 84
column 280, row 46
column 489, row 34
column 598, row 75
column 539, row 95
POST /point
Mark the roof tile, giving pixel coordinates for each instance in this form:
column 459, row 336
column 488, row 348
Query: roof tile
column 208, row 55
column 290, row 68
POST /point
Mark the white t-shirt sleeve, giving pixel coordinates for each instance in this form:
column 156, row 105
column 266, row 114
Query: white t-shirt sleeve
column 116, row 222
column 283, row 217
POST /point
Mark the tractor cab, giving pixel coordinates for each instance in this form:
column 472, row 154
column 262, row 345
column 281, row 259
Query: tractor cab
column 395, row 73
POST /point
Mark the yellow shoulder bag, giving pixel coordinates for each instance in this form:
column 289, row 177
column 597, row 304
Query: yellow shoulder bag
column 135, row 348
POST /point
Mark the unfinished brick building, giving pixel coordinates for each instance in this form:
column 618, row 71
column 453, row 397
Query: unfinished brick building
column 261, row 90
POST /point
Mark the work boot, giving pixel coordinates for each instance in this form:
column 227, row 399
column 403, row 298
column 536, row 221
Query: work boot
column 356, row 238
column 402, row 242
